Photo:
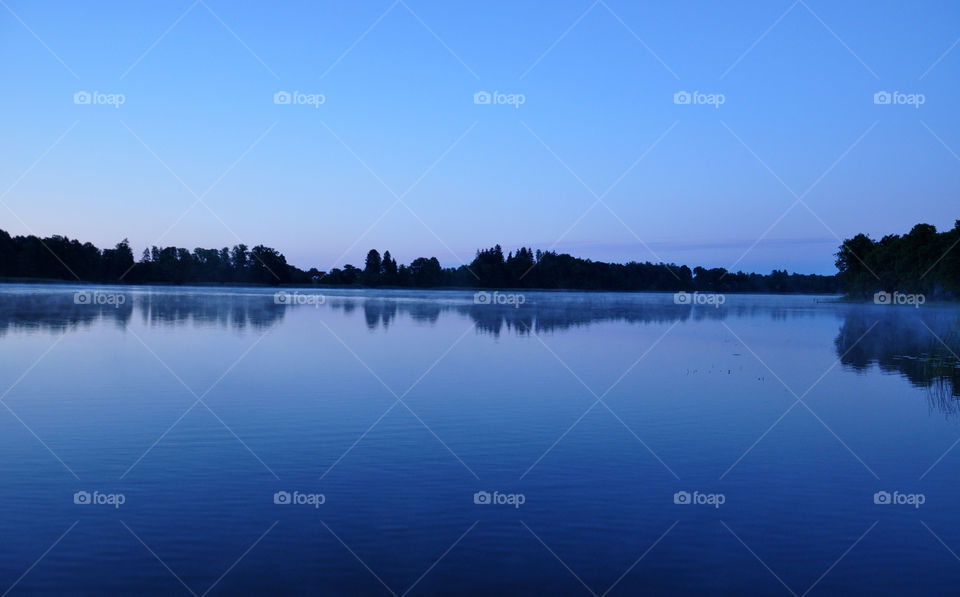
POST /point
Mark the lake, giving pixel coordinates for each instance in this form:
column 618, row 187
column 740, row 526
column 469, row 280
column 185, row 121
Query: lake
column 177, row 441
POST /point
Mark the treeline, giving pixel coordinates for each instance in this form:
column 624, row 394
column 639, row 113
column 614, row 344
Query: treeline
column 60, row 258
column 239, row 265
column 922, row 261
column 55, row 257
column 526, row 268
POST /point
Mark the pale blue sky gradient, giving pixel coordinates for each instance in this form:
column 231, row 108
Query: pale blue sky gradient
column 798, row 79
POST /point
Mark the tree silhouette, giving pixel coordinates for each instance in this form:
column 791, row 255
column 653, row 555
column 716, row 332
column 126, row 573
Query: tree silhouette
column 371, row 271
column 388, row 270
column 921, row 261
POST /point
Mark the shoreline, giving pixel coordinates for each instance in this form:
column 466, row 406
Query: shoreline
column 56, row 282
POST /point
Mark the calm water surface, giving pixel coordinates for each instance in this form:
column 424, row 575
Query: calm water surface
column 787, row 417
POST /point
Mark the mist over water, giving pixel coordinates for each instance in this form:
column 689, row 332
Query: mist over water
column 333, row 434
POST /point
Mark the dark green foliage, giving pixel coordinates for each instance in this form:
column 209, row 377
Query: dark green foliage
column 63, row 259
column 371, row 270
column 388, row 270
column 59, row 258
column 922, row 261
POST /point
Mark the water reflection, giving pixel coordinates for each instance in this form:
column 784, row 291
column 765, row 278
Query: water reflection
column 558, row 312
column 56, row 310
column 59, row 311
column 239, row 311
column 920, row 344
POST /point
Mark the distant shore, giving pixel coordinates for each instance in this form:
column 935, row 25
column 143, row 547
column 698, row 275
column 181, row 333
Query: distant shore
column 319, row 287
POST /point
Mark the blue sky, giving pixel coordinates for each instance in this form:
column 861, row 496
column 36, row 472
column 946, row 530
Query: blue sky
column 598, row 160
